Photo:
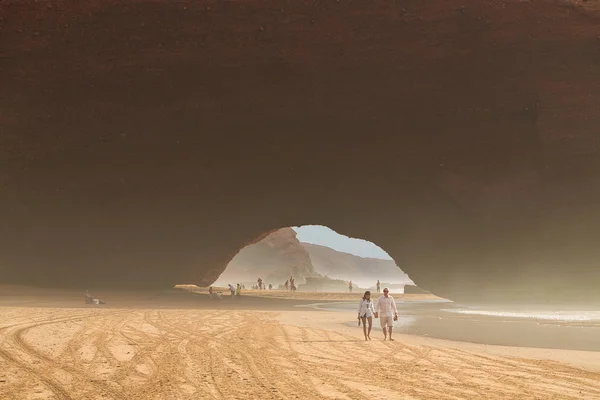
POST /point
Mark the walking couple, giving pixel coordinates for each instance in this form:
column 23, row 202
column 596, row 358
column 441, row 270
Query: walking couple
column 386, row 312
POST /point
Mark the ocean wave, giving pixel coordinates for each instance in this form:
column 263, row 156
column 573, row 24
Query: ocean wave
column 566, row 316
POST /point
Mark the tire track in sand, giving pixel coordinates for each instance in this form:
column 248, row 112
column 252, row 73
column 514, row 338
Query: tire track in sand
column 12, row 356
column 79, row 375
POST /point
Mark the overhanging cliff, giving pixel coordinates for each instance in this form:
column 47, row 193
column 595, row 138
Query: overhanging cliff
column 143, row 143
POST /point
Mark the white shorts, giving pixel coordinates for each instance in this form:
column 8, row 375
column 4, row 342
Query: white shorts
column 386, row 321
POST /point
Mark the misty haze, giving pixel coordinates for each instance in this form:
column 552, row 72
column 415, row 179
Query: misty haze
column 299, row 200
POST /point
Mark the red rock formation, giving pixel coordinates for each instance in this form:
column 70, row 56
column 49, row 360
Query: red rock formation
column 145, row 142
column 274, row 259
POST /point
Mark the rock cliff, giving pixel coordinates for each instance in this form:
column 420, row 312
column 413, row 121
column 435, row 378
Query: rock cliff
column 362, row 271
column 274, row 259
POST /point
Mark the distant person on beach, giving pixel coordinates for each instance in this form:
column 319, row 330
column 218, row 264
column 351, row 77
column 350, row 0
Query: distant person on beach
column 91, row 300
column 238, row 290
column 387, row 313
column 270, row 286
column 350, row 286
column 292, row 284
column 259, row 284
column 365, row 313
column 287, row 285
column 213, row 295
column 378, row 286
column 232, row 290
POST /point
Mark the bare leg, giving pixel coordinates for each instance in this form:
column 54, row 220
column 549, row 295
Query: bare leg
column 364, row 323
column 370, row 326
column 390, row 332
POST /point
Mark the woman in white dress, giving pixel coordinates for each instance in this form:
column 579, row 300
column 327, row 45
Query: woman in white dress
column 365, row 313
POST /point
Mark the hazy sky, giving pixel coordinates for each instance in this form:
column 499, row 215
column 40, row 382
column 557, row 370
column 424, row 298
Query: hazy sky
column 324, row 236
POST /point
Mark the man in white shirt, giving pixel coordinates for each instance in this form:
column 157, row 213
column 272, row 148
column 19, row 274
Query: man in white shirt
column 387, row 313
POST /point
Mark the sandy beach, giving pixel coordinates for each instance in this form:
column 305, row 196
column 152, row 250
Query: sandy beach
column 182, row 346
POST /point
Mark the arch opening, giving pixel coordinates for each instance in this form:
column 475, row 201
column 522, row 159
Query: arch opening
column 318, row 259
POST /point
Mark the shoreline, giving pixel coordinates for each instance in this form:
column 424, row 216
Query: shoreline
column 589, row 360
column 439, row 320
column 316, row 296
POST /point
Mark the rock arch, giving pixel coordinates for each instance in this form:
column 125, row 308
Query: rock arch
column 143, row 144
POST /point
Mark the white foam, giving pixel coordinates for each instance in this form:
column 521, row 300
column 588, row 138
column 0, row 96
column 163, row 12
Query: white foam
column 566, row 316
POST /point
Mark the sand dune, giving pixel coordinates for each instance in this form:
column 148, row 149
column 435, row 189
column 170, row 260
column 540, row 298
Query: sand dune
column 159, row 353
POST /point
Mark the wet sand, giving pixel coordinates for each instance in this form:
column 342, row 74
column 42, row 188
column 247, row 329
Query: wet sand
column 182, row 346
column 546, row 328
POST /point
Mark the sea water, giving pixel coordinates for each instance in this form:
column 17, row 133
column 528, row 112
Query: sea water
column 529, row 326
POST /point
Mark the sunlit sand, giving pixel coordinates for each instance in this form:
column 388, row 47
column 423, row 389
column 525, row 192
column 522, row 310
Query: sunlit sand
column 173, row 346
column 286, row 294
